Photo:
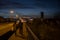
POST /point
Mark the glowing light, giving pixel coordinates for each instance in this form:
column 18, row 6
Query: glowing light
column 22, row 20
column 11, row 11
column 31, row 19
column 17, row 16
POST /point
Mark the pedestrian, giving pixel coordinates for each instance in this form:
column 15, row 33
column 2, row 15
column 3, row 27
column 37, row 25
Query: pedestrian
column 21, row 27
column 15, row 25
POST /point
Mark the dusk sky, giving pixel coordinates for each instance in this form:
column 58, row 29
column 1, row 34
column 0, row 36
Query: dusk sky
column 29, row 7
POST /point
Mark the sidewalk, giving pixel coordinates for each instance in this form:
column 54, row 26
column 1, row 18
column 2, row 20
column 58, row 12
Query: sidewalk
column 16, row 37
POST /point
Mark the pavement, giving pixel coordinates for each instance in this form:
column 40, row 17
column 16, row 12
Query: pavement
column 18, row 36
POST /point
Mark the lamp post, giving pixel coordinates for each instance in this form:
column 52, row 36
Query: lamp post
column 17, row 16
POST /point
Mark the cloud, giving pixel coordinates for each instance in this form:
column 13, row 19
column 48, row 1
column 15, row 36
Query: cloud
column 46, row 3
column 5, row 4
column 13, row 4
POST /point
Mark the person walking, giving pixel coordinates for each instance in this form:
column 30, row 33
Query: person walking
column 21, row 27
column 15, row 25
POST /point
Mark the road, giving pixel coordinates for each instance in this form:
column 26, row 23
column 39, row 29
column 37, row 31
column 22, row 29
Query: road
column 4, row 28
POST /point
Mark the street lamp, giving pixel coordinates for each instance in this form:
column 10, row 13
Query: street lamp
column 17, row 16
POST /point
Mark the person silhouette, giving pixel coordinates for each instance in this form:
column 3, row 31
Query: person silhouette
column 15, row 25
column 21, row 26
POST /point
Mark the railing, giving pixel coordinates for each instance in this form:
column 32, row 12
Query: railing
column 31, row 32
column 26, row 28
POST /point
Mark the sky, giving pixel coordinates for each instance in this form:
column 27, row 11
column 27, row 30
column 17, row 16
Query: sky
column 29, row 7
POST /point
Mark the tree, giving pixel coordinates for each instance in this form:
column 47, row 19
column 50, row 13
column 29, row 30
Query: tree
column 1, row 19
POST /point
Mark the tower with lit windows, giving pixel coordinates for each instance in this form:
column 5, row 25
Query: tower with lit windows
column 42, row 14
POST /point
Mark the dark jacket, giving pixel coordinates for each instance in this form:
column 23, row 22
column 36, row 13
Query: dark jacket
column 20, row 25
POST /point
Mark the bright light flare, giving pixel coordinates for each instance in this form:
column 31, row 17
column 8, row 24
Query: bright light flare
column 22, row 20
column 31, row 19
column 11, row 11
column 17, row 16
